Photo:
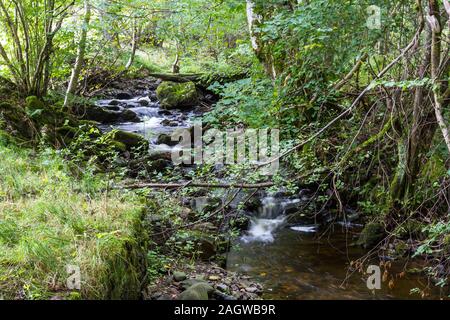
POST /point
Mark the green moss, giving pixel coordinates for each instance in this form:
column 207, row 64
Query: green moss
column 371, row 235
column 433, row 170
column 16, row 121
column 177, row 95
column 129, row 139
column 119, row 146
column 198, row 291
column 34, row 103
column 446, row 243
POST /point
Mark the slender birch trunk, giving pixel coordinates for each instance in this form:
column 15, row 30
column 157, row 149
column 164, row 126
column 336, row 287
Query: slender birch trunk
column 74, row 78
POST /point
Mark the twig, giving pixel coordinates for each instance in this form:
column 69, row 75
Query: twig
column 197, row 184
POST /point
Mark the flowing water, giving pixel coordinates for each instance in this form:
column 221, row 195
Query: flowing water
column 154, row 120
column 291, row 261
column 305, row 262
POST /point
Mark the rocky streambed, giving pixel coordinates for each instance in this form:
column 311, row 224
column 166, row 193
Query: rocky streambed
column 278, row 255
column 153, row 110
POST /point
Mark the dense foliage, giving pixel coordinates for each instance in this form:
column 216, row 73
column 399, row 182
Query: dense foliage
column 359, row 90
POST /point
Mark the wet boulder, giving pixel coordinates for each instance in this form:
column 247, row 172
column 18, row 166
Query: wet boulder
column 166, row 139
column 129, row 139
column 144, row 102
column 123, row 96
column 114, row 102
column 113, row 108
column 102, row 115
column 174, row 95
column 106, row 115
column 129, row 116
column 371, row 235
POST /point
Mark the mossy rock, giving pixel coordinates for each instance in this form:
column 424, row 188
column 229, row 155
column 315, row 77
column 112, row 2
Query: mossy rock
column 174, row 95
column 104, row 115
column 179, row 276
column 16, row 121
column 119, row 146
column 39, row 112
column 66, row 133
column 34, row 103
column 100, row 114
column 198, row 291
column 371, row 235
column 129, row 139
column 44, row 114
column 166, row 139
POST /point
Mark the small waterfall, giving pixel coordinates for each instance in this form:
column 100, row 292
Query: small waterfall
column 269, row 218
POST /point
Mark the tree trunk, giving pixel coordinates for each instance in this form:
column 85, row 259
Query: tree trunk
column 418, row 136
column 438, row 75
column 133, row 46
column 176, row 63
column 74, row 78
column 254, row 19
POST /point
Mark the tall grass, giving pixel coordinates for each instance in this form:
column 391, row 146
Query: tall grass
column 49, row 219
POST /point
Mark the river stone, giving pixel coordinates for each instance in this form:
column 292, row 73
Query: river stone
column 143, row 102
column 371, row 235
column 113, row 108
column 102, row 115
column 130, row 140
column 179, row 276
column 251, row 289
column 129, row 116
column 222, row 296
column 114, row 102
column 253, row 204
column 186, row 284
column 153, row 97
column 166, row 139
column 164, row 112
column 222, row 287
column 199, row 291
column 207, row 248
column 174, row 95
column 123, row 96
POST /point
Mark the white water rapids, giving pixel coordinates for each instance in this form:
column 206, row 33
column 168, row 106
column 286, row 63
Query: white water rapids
column 270, row 218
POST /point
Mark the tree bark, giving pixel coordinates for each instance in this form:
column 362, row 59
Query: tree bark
column 438, row 92
column 133, row 45
column 74, row 78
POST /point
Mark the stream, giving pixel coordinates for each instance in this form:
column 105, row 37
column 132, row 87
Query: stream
column 290, row 261
column 304, row 262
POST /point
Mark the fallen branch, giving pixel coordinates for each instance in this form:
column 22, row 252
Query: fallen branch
column 355, row 69
column 177, row 77
column 198, row 184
